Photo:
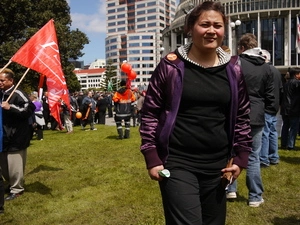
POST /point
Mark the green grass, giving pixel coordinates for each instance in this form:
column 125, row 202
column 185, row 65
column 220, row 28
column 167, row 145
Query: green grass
column 92, row 178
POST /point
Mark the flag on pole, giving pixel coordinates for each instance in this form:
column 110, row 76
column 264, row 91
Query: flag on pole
column 273, row 46
column 298, row 36
column 41, row 53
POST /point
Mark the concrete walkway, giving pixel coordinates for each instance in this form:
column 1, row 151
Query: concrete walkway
column 110, row 121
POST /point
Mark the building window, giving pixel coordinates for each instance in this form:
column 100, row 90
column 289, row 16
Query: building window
column 151, row 3
column 151, row 24
column 147, row 58
column 134, row 51
column 141, row 19
column 146, row 51
column 145, row 37
column 147, row 44
column 151, row 17
column 151, row 10
column 134, row 44
column 140, row 6
column 141, row 26
column 121, row 9
column 134, row 38
column 121, row 22
column 142, row 12
column 113, row 40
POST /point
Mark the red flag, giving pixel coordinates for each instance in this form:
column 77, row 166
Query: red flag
column 41, row 53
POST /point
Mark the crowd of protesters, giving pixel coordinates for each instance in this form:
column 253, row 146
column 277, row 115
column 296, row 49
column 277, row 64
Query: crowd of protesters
column 94, row 106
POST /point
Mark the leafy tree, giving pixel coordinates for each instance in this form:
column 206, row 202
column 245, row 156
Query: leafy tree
column 21, row 19
column 110, row 81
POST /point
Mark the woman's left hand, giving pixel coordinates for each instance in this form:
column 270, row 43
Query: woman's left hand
column 235, row 169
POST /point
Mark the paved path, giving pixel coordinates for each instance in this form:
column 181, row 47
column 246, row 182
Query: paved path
column 110, row 121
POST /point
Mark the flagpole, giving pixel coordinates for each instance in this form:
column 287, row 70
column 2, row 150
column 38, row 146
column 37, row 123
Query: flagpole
column 18, row 84
column 297, row 47
column 273, row 46
column 7, row 64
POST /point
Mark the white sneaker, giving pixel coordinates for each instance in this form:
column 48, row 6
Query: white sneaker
column 231, row 195
column 256, row 204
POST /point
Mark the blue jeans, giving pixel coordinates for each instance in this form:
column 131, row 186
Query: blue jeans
column 269, row 148
column 289, row 131
column 253, row 177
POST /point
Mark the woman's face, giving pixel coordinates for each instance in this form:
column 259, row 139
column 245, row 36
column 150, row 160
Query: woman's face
column 208, row 31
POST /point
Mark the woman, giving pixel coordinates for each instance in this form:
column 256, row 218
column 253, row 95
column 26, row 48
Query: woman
column 194, row 118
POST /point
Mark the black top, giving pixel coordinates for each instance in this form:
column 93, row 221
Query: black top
column 199, row 141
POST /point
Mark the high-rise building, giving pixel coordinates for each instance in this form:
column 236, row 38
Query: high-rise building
column 273, row 22
column 134, row 34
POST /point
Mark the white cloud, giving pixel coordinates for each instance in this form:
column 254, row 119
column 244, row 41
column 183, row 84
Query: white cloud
column 95, row 23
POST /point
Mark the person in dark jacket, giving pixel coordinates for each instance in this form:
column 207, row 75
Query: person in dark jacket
column 123, row 99
column 16, row 133
column 88, row 109
column 101, row 106
column 194, row 118
column 260, row 86
column 290, row 109
column 269, row 148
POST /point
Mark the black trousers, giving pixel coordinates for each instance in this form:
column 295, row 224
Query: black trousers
column 193, row 199
column 1, row 190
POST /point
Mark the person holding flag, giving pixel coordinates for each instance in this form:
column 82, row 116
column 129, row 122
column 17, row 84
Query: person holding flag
column 17, row 109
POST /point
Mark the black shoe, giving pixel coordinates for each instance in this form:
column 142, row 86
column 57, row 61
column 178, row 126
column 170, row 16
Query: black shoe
column 290, row 148
column 1, row 210
column 12, row 196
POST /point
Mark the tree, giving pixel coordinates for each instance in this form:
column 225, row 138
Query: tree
column 22, row 19
column 110, row 81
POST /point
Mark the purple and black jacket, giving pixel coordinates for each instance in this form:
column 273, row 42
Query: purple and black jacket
column 162, row 103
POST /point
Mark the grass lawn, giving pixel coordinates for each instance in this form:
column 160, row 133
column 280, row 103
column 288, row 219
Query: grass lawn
column 92, row 178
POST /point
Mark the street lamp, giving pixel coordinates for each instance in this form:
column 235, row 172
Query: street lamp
column 234, row 26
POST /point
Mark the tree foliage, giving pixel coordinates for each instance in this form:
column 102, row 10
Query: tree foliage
column 110, row 81
column 21, row 19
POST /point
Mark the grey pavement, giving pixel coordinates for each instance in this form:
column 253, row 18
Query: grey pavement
column 110, row 121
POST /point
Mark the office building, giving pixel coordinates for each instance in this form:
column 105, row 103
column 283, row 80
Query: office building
column 134, row 34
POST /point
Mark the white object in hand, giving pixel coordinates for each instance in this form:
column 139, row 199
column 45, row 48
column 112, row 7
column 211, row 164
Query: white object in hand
column 164, row 173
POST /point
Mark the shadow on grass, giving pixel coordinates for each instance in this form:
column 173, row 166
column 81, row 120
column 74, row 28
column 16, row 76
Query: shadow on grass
column 44, row 168
column 38, row 187
column 112, row 137
column 291, row 160
column 292, row 220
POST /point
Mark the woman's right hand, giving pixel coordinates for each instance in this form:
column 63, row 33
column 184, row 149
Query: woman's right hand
column 153, row 172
